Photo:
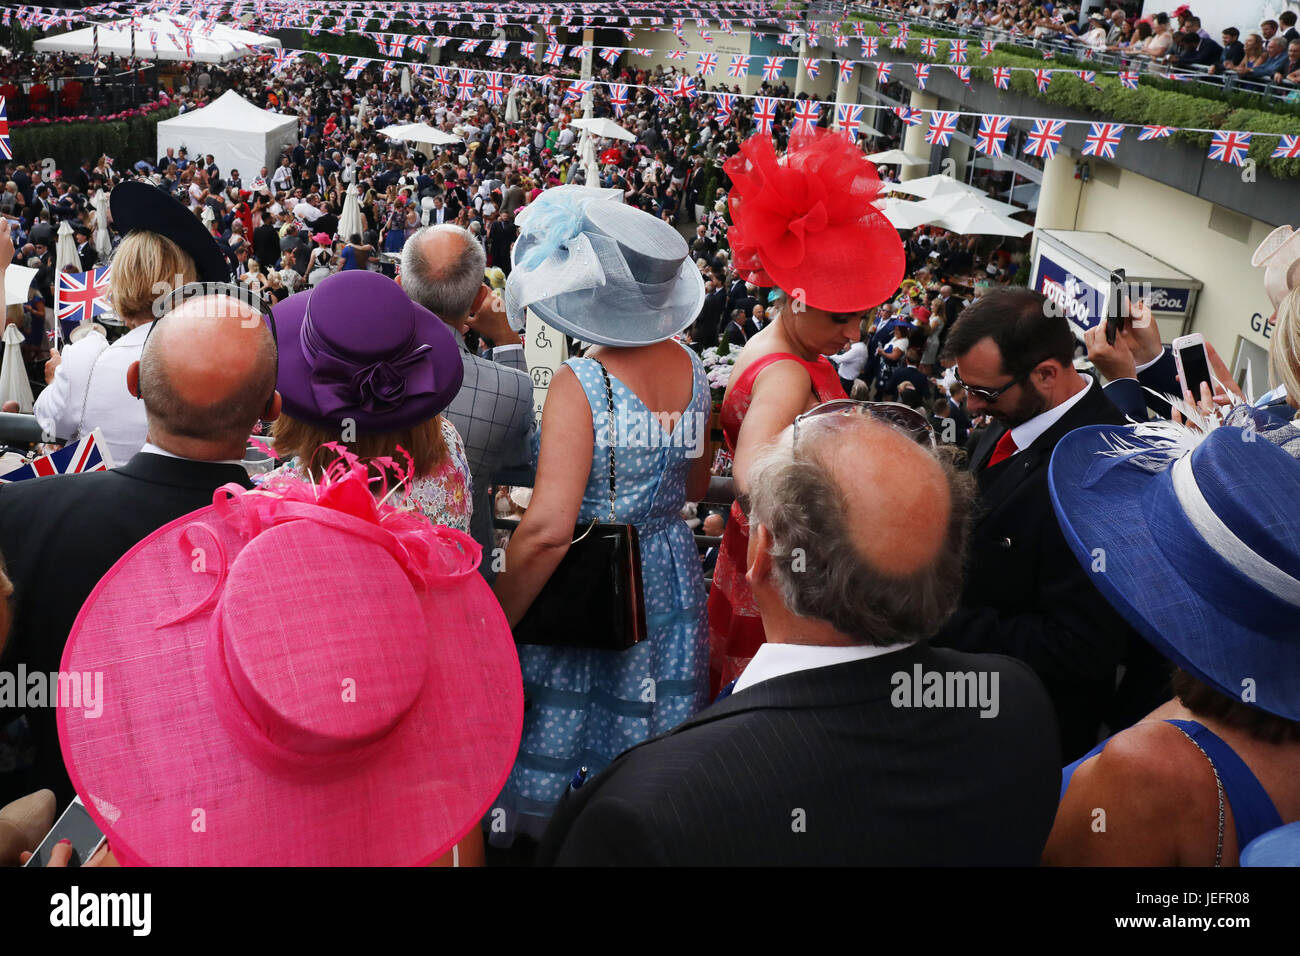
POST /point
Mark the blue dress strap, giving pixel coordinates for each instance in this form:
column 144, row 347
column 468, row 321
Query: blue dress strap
column 1068, row 772
column 1252, row 810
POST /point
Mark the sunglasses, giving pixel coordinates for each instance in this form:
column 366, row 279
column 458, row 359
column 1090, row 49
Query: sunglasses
column 894, row 414
column 990, row 395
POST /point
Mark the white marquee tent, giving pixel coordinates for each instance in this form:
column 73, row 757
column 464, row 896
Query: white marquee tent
column 160, row 38
column 237, row 134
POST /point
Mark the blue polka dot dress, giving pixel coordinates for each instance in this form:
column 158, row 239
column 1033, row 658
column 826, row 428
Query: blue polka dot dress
column 585, row 707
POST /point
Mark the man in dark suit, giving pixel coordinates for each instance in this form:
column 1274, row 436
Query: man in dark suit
column 207, row 374
column 1026, row 595
column 266, row 243
column 89, row 257
column 826, row 751
column 706, row 329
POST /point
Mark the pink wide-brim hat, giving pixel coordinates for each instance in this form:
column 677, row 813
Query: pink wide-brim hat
column 289, row 681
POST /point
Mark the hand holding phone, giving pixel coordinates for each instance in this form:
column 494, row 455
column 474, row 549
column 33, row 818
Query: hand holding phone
column 1193, row 364
column 1118, row 314
column 78, row 829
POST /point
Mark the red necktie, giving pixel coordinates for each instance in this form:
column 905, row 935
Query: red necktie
column 1005, row 448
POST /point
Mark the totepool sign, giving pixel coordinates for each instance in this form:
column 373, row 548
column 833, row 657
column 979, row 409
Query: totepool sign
column 1083, row 301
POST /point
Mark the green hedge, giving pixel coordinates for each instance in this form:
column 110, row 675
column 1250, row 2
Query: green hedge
column 127, row 140
column 1155, row 101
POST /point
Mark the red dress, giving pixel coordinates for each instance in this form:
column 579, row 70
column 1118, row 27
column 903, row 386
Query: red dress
column 735, row 628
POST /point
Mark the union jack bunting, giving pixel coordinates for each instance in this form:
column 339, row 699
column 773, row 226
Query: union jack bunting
column 922, row 74
column 82, row 295
column 417, row 44
column 812, row 68
column 957, row 51
column 869, row 47
column 1230, row 146
column 465, row 85
column 1129, row 79
column 929, row 46
column 643, row 51
column 987, row 47
column 1049, row 55
column 1088, row 76
column 388, row 69
column 528, row 50
column 662, row 97
column 706, row 64
column 899, row 42
column 618, row 97
column 497, row 48
column 609, row 54
column 726, row 103
column 764, row 114
column 942, row 126
column 553, row 56
column 909, row 115
column 1042, row 78
column 848, row 117
column 806, row 115
column 991, row 137
column 495, row 93
column 577, row 90
column 440, row 42
column 388, row 45
column 442, row 76
column 281, row 59
column 88, row 454
column 1001, row 76
column 1288, row 147
column 739, row 66
column 1102, row 140
column 672, row 54
column 882, row 72
column 359, row 64
column 846, row 70
column 469, row 46
column 1154, row 132
column 1043, row 139
column 772, row 67
column 684, row 87
column 962, row 73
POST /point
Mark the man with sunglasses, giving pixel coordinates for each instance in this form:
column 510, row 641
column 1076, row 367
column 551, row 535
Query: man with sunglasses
column 1025, row 595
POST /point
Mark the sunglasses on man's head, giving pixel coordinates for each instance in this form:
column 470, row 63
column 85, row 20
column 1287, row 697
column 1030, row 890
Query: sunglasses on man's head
column 894, row 414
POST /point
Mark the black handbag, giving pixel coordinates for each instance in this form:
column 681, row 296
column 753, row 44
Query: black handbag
column 594, row 599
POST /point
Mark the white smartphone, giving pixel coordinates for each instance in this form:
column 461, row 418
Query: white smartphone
column 78, row 828
column 1193, row 363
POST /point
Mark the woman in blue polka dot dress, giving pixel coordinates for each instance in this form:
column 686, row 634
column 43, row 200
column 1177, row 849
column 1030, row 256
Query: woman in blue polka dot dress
column 585, row 707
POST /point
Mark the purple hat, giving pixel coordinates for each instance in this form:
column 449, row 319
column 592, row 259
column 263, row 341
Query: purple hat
column 356, row 347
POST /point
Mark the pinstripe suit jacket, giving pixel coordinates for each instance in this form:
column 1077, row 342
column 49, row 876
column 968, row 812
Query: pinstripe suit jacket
column 493, row 411
column 820, row 767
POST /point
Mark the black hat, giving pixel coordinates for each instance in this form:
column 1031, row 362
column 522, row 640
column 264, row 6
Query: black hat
column 138, row 205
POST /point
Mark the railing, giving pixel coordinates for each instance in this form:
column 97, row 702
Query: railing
column 79, row 94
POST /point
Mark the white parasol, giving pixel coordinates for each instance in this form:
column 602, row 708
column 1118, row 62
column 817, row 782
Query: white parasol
column 103, row 240
column 350, row 219
column 603, row 126
column 896, row 157
column 65, row 249
column 14, row 386
column 928, row 187
column 421, row 133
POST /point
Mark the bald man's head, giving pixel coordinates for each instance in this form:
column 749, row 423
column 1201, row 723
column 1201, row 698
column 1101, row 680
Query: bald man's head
column 868, row 528
column 207, row 372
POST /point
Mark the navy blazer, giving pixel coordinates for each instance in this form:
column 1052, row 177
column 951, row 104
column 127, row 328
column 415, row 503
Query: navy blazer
column 1131, row 397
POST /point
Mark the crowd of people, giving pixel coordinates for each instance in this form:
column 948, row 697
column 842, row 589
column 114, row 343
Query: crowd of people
column 906, row 600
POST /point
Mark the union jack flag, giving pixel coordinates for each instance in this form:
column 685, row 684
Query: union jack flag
column 726, row 103
column 1001, row 76
column 1230, row 146
column 388, row 45
column 662, row 97
column 554, row 55
column 388, row 69
column 772, row 67
column 846, row 70
column 1288, row 147
column 684, row 87
column 929, row 46
column 610, row 54
column 440, row 42
column 82, row 295
column 497, row 48
column 676, row 54
column 942, row 126
column 764, row 114
column 469, row 46
column 359, row 64
column 89, row 454
column 6, row 149
column 707, row 63
column 806, row 115
column 1088, row 76
column 1049, row 55
column 812, row 68
column 465, row 85
column 1044, row 138
column 909, row 115
column 496, row 89
column 1102, row 140
column 281, row 59
column 418, row 44
column 957, row 51
column 882, row 72
column 987, row 47
column 442, row 76
column 991, row 137
column 899, row 42
column 869, row 47
column 962, row 73
column 1154, row 132
column 1042, row 78
column 739, row 66
column 847, row 118
column 528, row 50
column 618, row 97
column 1129, row 79
column 643, row 51
column 922, row 74
column 577, row 90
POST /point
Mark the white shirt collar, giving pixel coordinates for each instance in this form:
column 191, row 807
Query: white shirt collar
column 777, row 660
column 1026, row 433
column 151, row 449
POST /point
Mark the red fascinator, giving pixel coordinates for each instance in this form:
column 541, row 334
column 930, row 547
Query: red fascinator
column 807, row 223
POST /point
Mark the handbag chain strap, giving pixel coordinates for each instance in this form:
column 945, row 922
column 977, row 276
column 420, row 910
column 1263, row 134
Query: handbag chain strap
column 609, row 401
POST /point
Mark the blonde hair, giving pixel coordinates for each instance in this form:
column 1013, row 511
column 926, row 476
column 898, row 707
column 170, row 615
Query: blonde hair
column 146, row 266
column 1284, row 347
column 423, row 442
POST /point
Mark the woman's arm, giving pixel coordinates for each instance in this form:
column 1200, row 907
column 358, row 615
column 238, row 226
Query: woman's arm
column 780, row 393
column 546, row 530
